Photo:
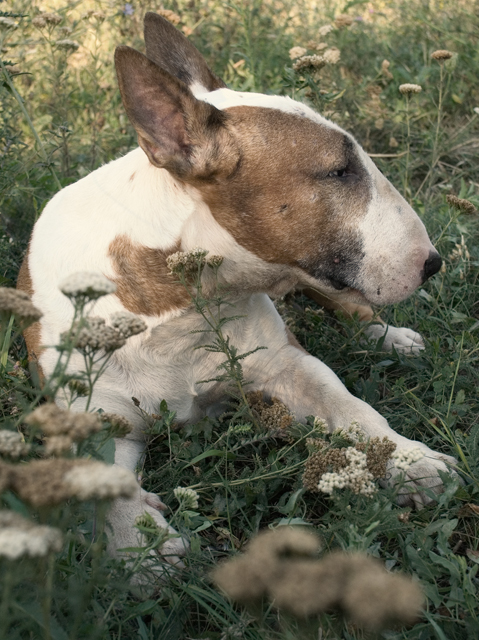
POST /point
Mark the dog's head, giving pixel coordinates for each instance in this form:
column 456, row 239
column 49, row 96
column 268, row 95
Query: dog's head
column 288, row 185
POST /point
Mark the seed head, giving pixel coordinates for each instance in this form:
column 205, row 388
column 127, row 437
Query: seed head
column 461, row 204
column 93, row 335
column 215, row 261
column 173, row 17
column 120, row 426
column 313, row 62
column 54, row 421
column 441, row 55
column 297, row 52
column 51, row 18
column 187, row 262
column 408, row 88
column 86, row 285
column 19, row 304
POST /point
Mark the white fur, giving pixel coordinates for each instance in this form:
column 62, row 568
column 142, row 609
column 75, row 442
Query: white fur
column 131, row 197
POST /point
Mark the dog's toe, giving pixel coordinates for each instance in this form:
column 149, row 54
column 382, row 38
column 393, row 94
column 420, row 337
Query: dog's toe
column 400, row 339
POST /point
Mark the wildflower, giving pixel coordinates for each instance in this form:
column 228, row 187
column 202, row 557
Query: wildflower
column 120, row 426
column 18, row 303
column 311, row 62
column 332, row 55
column 97, row 15
column 343, row 20
column 408, row 88
column 404, row 458
column 20, row 537
column 274, row 416
column 353, row 433
column 92, row 335
column 297, row 52
column 40, row 482
column 461, row 204
column 173, row 17
column 188, row 498
column 215, row 261
column 65, row 31
column 187, row 262
column 7, row 23
column 317, row 46
column 385, row 69
column 51, row 18
column 128, row 9
column 39, row 22
column 87, row 285
column 441, row 55
column 393, row 143
column 57, row 445
column 12, row 444
column 99, row 481
column 78, row 387
column 325, row 29
column 476, row 110
column 67, row 44
column 127, row 324
column 54, row 421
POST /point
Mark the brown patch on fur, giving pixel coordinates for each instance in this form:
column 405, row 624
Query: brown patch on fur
column 281, row 204
column 365, row 312
column 293, row 341
column 144, row 284
column 132, row 177
column 32, row 334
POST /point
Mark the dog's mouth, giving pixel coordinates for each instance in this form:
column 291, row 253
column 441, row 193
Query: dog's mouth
column 338, row 284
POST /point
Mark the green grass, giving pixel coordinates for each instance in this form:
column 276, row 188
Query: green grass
column 246, row 479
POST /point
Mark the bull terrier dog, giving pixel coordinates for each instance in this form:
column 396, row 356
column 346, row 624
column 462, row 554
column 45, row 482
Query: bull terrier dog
column 289, row 200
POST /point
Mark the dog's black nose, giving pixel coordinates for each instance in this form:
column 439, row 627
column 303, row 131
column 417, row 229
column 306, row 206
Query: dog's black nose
column 432, row 265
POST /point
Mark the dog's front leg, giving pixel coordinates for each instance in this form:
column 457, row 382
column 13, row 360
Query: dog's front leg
column 308, row 387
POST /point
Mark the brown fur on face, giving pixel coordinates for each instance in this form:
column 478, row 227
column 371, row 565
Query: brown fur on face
column 144, row 284
column 281, row 204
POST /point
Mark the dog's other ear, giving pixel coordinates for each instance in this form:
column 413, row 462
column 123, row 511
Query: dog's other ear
column 177, row 132
column 169, row 49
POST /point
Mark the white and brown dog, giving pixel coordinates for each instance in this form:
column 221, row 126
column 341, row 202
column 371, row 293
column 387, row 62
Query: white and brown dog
column 286, row 196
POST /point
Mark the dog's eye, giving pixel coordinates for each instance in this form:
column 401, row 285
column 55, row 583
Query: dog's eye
column 340, row 173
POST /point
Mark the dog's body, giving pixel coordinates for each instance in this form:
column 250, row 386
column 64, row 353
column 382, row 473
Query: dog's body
column 285, row 196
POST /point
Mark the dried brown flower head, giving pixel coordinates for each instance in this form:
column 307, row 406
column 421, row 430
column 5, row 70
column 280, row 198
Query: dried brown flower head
column 99, row 481
column 409, row 88
column 311, row 63
column 127, row 324
column 274, row 416
column 18, row 303
column 461, row 204
column 54, row 421
column 119, row 424
column 92, row 334
column 67, row 45
column 343, row 20
column 441, row 55
column 378, row 453
column 187, row 262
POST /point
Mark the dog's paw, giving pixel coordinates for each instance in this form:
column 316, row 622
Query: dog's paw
column 401, row 339
column 124, row 535
column 423, row 474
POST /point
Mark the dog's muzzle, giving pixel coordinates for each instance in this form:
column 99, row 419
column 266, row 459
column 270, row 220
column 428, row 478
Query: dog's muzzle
column 431, row 266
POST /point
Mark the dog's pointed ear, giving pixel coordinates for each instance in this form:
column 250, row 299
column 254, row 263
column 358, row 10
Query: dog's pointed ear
column 187, row 136
column 171, row 50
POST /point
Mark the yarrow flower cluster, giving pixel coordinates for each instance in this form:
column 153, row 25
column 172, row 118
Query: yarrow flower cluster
column 332, row 55
column 314, row 62
column 119, row 425
column 97, row 15
column 18, row 303
column 62, row 427
column 408, row 88
column 441, row 55
column 188, row 498
column 20, row 537
column 461, row 204
column 325, row 29
column 404, row 458
column 87, row 285
column 67, row 45
column 355, row 475
column 92, row 334
column 385, row 69
column 127, row 324
column 173, row 17
column 12, row 444
column 273, row 416
column 282, row 565
column 297, row 52
column 343, row 20
column 100, row 481
column 46, row 19
column 187, row 262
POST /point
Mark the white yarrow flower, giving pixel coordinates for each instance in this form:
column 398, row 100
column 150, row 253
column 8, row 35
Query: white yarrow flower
column 100, row 481
column 12, row 444
column 127, row 324
column 188, row 498
column 20, row 537
column 87, row 284
column 354, row 476
column 404, row 458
